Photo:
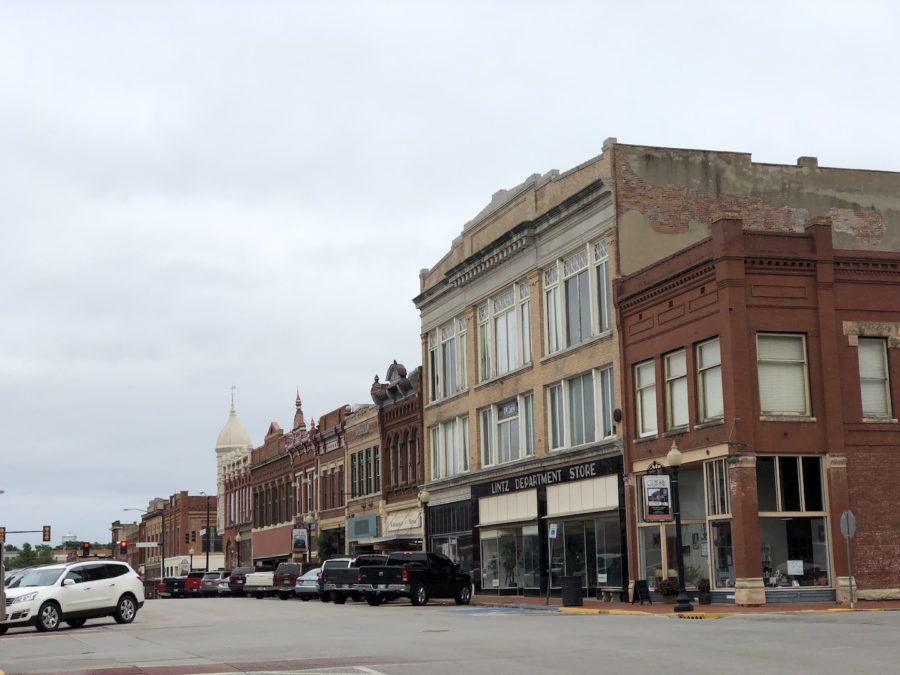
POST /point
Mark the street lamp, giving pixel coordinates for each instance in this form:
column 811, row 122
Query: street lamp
column 682, row 602
column 162, row 537
column 237, row 546
column 424, row 498
column 308, row 519
column 207, row 529
column 191, row 553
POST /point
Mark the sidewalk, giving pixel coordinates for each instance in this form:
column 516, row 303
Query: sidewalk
column 715, row 611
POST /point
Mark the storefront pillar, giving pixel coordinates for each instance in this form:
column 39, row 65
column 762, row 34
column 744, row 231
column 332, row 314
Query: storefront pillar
column 838, row 502
column 749, row 588
column 631, row 541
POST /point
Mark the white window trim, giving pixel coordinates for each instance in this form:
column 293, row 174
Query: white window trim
column 486, row 318
column 493, row 434
column 702, row 401
column 641, row 417
column 436, row 340
column 807, row 412
column 439, row 457
column 599, row 402
column 671, row 381
column 554, row 276
column 885, row 379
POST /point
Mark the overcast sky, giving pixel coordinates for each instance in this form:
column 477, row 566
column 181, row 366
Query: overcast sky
column 195, row 195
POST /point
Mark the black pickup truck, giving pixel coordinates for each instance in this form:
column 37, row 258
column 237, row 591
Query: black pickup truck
column 172, row 587
column 416, row 575
column 340, row 576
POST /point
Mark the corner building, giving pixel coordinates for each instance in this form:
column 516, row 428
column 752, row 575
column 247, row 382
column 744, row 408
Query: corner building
column 520, row 387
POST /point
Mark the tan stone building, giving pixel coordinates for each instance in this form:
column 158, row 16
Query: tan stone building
column 363, row 488
column 521, row 382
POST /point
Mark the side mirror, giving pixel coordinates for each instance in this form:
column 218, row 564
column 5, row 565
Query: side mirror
column 68, row 582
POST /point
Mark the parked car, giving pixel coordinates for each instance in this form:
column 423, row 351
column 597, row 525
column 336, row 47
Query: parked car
column 209, row 584
column 192, row 583
column 73, row 593
column 339, row 580
column 284, row 579
column 307, row 586
column 417, row 575
column 223, row 588
column 341, row 562
column 237, row 580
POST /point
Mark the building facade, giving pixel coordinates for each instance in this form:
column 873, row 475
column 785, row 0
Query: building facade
column 363, row 488
column 233, row 515
column 272, row 486
column 771, row 359
column 522, row 449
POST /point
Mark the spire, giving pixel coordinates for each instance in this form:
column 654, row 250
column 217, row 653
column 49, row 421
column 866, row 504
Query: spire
column 299, row 422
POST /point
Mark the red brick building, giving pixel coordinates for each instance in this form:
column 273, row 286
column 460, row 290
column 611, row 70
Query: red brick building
column 772, row 360
column 272, row 486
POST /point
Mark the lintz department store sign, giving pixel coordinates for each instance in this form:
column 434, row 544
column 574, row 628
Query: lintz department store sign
column 581, row 471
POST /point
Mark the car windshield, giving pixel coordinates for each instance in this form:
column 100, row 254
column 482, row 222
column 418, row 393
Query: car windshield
column 312, row 574
column 45, row 577
column 211, row 575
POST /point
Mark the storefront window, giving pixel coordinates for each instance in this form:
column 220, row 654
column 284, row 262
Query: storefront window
column 651, row 555
column 722, row 556
column 794, row 552
column 490, row 561
column 510, row 558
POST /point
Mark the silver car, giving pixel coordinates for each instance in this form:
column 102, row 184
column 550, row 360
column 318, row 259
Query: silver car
column 307, row 586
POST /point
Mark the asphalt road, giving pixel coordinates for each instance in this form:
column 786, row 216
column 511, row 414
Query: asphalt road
column 248, row 635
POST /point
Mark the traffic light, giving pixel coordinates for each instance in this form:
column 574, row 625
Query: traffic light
column 193, row 535
column 85, row 549
column 2, row 535
column 46, row 533
column 123, row 547
column 187, row 538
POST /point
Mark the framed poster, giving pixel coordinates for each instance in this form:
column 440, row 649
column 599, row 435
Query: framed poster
column 298, row 534
column 657, row 498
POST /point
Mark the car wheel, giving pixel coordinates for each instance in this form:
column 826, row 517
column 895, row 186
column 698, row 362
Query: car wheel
column 419, row 595
column 304, row 598
column 325, row 596
column 463, row 595
column 3, row 630
column 47, row 619
column 126, row 610
column 284, row 596
column 373, row 600
column 76, row 623
column 339, row 598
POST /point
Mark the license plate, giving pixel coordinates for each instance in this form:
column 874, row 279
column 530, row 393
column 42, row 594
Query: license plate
column 382, row 587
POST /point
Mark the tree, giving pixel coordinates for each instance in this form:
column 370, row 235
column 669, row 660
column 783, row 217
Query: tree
column 325, row 545
column 26, row 557
column 44, row 555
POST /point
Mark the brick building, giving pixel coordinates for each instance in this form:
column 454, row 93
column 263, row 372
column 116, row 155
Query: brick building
column 272, row 487
column 233, row 517
column 401, row 465
column 364, row 498
column 771, row 359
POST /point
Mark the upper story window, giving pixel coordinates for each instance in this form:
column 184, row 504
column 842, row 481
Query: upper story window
column 789, row 483
column 507, row 431
column 450, row 448
column 709, row 381
column 718, row 488
column 645, row 398
column 577, row 301
column 573, row 406
column 783, row 374
column 365, row 476
column 504, row 332
column 874, row 380
column 447, row 359
column 676, row 390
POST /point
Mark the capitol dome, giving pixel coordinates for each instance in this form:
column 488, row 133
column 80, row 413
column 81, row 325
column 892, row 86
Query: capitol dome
column 233, row 434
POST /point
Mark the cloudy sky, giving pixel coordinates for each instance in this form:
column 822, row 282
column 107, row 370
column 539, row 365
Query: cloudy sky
column 195, row 195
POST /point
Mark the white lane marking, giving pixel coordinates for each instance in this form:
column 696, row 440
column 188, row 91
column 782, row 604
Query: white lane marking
column 363, row 669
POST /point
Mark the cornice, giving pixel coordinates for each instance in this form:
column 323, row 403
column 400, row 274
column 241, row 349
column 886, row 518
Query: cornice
column 705, row 270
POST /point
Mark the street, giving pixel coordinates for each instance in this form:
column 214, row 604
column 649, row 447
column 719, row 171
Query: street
column 248, row 635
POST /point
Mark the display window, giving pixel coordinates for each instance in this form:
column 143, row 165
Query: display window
column 590, row 548
column 510, row 558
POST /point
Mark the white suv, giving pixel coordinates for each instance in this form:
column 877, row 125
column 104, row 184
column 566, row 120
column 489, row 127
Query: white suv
column 73, row 592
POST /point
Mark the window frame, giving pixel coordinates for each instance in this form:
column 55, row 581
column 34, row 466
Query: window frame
column 559, row 418
column 589, row 259
column 644, row 431
column 458, row 428
column 884, row 379
column 673, row 382
column 516, row 303
column 490, row 433
column 703, row 371
column 804, row 368
column 455, row 330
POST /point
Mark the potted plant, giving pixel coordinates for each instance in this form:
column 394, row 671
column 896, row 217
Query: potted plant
column 704, row 597
column 668, row 588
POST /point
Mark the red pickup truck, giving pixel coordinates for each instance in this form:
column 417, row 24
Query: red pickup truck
column 192, row 583
column 284, row 579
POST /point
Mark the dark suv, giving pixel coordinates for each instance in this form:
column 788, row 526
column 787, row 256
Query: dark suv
column 237, row 579
column 284, row 579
